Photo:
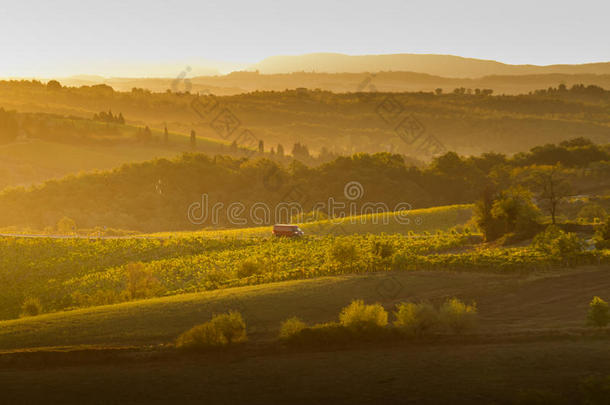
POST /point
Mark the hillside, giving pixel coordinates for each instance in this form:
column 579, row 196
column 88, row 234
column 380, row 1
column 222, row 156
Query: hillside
column 27, row 163
column 344, row 123
column 48, row 146
column 196, row 191
column 420, row 221
column 441, row 65
column 528, row 325
column 508, row 303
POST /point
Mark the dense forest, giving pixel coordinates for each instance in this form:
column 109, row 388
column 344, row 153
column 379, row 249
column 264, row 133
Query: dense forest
column 158, row 195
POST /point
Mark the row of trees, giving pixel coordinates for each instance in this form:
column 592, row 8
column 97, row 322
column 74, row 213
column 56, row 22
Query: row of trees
column 109, row 117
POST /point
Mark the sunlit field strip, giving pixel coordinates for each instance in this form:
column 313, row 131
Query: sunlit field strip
column 419, row 221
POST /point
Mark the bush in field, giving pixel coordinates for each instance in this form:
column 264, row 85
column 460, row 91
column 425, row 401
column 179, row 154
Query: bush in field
column 598, row 314
column 249, row 267
column 509, row 212
column 221, row 330
column 360, row 317
column 416, row 319
column 291, row 327
column 555, row 242
column 31, row 307
column 596, row 390
column 344, row 252
column 141, row 283
column 457, row 316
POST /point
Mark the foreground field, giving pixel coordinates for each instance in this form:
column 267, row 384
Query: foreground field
column 438, row 374
column 530, row 325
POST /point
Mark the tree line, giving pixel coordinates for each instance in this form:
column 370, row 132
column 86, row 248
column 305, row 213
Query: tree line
column 156, row 195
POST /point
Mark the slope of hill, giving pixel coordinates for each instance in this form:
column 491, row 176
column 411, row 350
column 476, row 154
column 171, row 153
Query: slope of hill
column 425, row 220
column 35, row 161
column 514, row 303
column 441, row 65
column 345, row 123
column 50, row 146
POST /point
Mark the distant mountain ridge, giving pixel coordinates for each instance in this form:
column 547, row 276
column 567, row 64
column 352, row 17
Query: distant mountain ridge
column 441, row 65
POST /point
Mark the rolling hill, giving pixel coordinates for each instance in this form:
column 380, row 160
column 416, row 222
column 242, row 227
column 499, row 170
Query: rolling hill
column 528, row 326
column 441, row 65
column 508, row 303
column 53, row 146
column 362, row 120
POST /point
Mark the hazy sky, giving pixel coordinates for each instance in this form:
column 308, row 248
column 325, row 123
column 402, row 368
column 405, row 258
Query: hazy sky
column 62, row 37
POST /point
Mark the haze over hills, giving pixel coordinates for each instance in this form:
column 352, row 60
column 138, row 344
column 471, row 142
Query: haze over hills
column 344, row 73
column 244, row 82
column 441, row 65
column 445, row 66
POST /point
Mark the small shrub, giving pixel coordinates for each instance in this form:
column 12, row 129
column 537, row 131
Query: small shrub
column 141, row 283
column 596, row 390
column 221, row 330
column 31, row 307
column 555, row 242
column 416, row 319
column 360, row 317
column 343, row 252
column 457, row 316
column 249, row 267
column 291, row 327
column 598, row 314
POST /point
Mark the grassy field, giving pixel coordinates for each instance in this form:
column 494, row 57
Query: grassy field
column 531, row 320
column 507, row 303
column 419, row 221
column 529, row 326
column 75, row 273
